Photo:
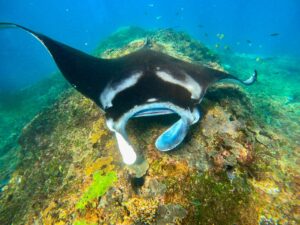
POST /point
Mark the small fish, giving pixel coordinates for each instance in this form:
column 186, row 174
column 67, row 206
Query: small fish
column 274, row 34
column 227, row 66
column 200, row 26
column 292, row 99
column 257, row 59
column 158, row 17
column 221, row 36
column 217, row 45
column 151, row 5
column 226, row 47
column 249, row 43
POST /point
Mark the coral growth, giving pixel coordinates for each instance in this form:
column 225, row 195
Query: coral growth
column 141, row 210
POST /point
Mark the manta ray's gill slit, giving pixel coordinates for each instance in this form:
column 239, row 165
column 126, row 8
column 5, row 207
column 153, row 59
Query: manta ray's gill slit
column 167, row 141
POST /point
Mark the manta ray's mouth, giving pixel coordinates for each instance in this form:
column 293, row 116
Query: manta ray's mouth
column 168, row 140
column 153, row 112
column 174, row 135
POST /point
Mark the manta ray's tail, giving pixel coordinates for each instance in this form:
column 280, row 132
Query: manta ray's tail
column 86, row 73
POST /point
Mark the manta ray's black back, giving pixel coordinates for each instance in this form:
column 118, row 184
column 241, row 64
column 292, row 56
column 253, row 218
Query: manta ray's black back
column 91, row 75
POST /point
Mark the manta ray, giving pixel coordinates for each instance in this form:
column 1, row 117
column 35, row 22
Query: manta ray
column 140, row 84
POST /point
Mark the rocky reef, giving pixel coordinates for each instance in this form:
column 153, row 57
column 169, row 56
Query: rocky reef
column 234, row 167
column 16, row 110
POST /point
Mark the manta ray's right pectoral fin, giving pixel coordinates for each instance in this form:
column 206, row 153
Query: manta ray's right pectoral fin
column 220, row 75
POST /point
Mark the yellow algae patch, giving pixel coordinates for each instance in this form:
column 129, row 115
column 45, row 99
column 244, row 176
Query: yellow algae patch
column 266, row 186
column 98, row 130
column 103, row 164
column 46, row 214
column 168, row 168
column 60, row 223
column 141, row 210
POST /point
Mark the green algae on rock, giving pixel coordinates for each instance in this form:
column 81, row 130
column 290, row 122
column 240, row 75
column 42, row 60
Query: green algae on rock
column 233, row 168
column 83, row 222
column 101, row 183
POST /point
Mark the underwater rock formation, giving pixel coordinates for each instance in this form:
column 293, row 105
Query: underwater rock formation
column 231, row 169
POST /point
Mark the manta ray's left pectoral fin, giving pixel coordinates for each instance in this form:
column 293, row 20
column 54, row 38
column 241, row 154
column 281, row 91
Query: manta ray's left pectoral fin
column 173, row 136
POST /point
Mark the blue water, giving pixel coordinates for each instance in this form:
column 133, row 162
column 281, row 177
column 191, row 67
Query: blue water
column 246, row 26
